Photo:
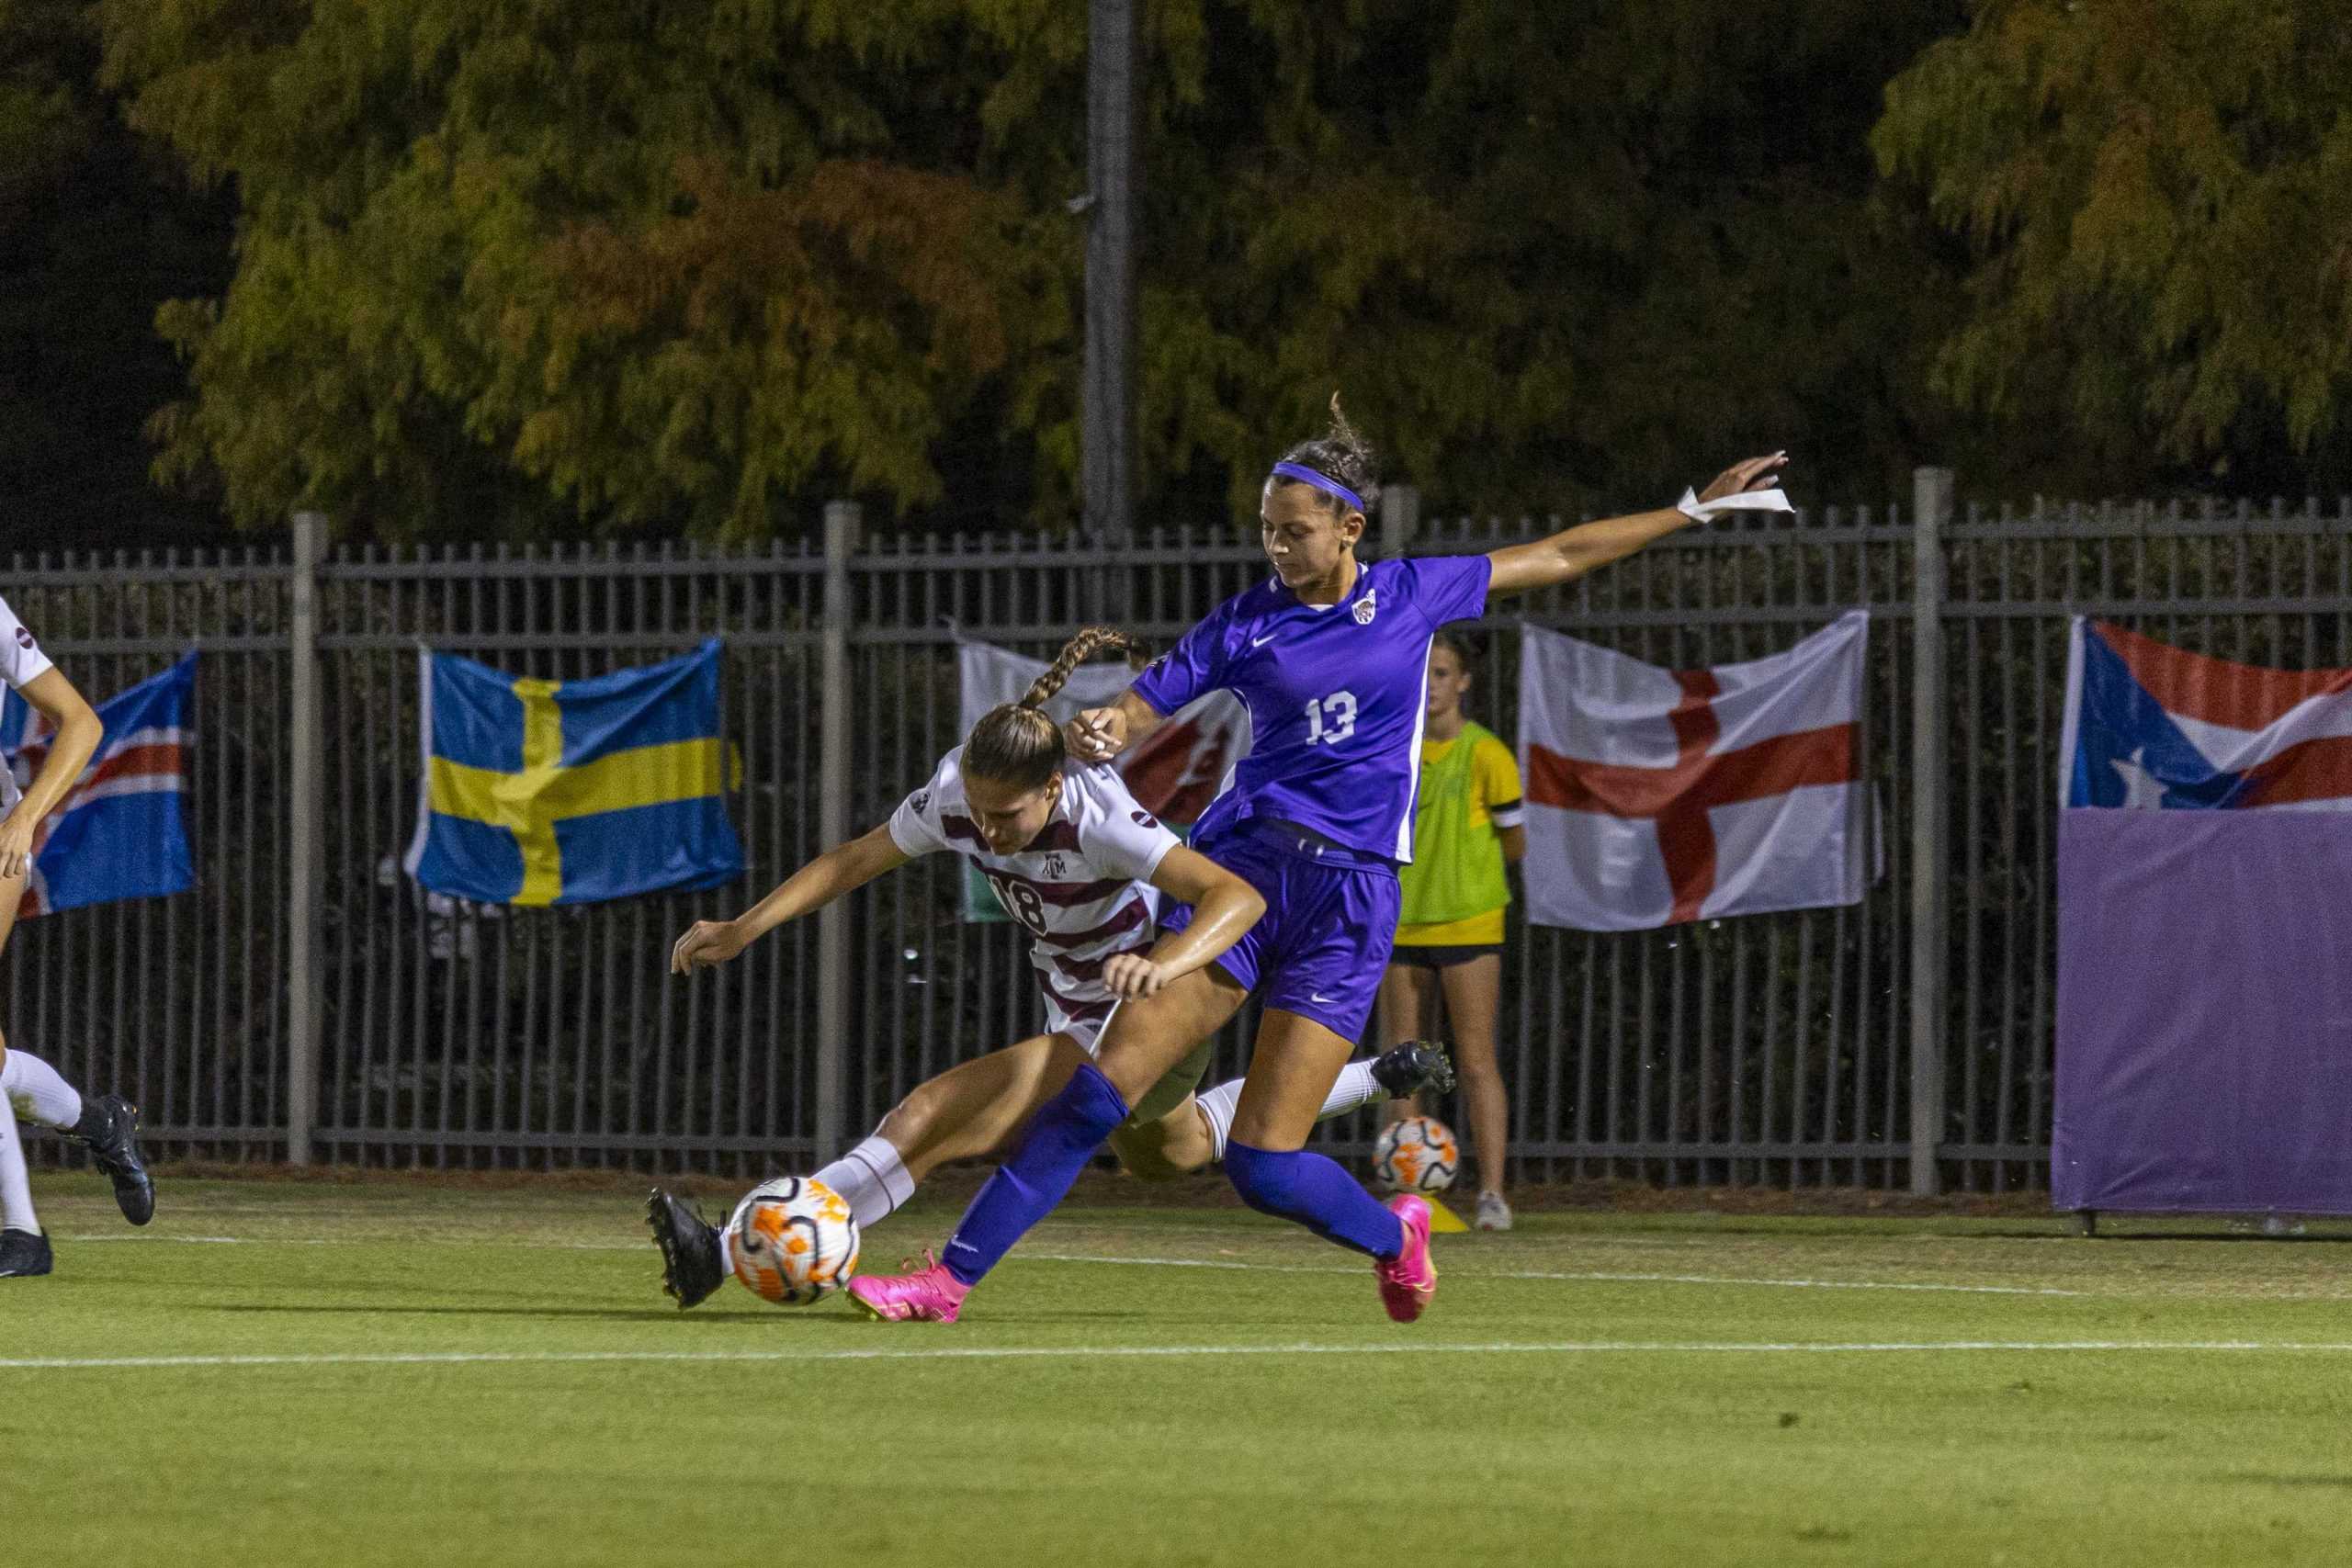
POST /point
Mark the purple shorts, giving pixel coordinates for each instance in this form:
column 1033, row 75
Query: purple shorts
column 1330, row 919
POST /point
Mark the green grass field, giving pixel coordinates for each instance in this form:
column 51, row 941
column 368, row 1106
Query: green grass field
column 397, row 1372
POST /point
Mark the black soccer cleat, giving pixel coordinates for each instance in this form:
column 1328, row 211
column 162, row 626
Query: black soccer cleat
column 24, row 1253
column 1412, row 1068
column 691, row 1266
column 110, row 1130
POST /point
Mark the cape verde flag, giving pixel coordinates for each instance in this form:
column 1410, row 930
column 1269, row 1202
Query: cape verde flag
column 2151, row 727
column 571, row 792
column 119, row 832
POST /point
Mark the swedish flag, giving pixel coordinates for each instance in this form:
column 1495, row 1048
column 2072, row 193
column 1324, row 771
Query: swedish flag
column 571, row 792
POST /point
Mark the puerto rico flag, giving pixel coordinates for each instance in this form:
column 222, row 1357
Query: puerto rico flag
column 2204, row 962
column 1660, row 797
column 120, row 833
column 2151, row 727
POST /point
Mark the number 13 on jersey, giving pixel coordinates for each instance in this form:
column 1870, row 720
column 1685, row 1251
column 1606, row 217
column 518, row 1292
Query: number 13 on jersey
column 1331, row 719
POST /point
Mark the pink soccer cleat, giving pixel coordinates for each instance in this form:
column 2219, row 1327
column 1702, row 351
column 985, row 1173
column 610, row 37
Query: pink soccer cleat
column 1409, row 1280
column 929, row 1295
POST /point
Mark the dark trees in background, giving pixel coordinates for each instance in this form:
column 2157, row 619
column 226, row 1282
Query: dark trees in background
column 504, row 268
column 98, row 228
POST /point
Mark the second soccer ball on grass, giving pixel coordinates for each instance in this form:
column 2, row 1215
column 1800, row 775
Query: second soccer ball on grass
column 1417, row 1155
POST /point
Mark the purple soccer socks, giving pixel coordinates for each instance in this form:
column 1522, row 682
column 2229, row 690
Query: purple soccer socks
column 1068, row 1130
column 1316, row 1194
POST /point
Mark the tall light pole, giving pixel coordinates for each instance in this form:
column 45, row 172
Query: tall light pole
column 1113, row 134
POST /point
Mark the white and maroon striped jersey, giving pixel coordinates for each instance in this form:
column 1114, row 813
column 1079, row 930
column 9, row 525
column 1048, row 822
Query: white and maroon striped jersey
column 21, row 660
column 21, row 663
column 1080, row 888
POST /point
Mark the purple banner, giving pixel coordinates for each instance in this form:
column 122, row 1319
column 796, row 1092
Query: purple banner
column 2204, row 1012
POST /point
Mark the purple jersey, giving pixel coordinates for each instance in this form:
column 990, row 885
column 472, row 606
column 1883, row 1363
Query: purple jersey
column 1336, row 694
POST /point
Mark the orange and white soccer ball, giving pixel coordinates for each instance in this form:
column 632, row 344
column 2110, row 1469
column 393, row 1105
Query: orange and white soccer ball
column 792, row 1241
column 1417, row 1155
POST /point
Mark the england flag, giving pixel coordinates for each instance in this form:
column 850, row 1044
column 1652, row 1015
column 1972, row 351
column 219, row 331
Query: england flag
column 1658, row 796
column 2149, row 726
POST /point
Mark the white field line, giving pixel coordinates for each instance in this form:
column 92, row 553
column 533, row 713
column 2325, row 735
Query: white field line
column 1540, row 1274
column 1154, row 1263
column 371, row 1241
column 1090, row 1353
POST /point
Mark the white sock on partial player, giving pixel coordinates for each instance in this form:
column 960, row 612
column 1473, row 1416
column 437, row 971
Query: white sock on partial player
column 34, row 1088
column 1216, row 1109
column 873, row 1177
column 16, row 1188
column 1356, row 1086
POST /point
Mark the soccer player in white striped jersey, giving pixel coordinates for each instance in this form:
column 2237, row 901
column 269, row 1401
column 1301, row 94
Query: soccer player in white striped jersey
column 1081, row 866
column 30, row 1088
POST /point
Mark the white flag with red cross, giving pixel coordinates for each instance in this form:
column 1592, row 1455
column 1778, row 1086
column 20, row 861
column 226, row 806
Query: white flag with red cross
column 1656, row 797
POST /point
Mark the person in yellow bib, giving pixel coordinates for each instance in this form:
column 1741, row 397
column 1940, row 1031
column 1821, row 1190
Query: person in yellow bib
column 1469, row 825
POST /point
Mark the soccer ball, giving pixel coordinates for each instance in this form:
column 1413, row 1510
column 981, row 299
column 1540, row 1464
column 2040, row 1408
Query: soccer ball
column 1417, row 1155
column 792, row 1241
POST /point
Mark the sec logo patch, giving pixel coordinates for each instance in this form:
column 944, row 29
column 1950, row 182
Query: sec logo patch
column 24, row 638
column 1145, row 818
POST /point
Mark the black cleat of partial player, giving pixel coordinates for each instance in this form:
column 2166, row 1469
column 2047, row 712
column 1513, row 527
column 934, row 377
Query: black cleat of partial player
column 110, row 1130
column 23, row 1254
column 1412, row 1068
column 691, row 1266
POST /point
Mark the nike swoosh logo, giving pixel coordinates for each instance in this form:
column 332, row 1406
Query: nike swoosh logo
column 1270, row 636
column 1317, row 996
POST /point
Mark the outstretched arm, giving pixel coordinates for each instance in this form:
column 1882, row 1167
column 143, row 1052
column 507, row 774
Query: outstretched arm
column 1569, row 555
column 78, row 732
column 840, row 870
column 1224, row 907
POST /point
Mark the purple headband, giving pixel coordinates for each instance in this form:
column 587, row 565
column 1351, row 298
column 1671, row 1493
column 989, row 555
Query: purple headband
column 1323, row 482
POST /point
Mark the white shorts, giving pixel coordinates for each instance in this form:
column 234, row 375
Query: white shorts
column 1087, row 1033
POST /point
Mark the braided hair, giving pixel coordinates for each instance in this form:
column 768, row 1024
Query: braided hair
column 1341, row 454
column 1018, row 744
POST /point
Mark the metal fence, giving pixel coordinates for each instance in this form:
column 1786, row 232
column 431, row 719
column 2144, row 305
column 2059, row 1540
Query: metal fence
column 305, row 1000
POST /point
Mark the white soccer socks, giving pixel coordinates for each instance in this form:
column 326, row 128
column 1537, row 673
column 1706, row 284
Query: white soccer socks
column 38, row 1093
column 1355, row 1087
column 30, row 1090
column 871, row 1177
column 1216, row 1109
column 15, row 1187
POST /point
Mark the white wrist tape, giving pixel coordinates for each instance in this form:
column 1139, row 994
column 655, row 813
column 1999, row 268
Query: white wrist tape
column 1699, row 510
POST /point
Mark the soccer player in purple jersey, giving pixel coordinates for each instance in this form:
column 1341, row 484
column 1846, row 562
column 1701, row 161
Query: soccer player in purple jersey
column 1330, row 656
column 1083, row 869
